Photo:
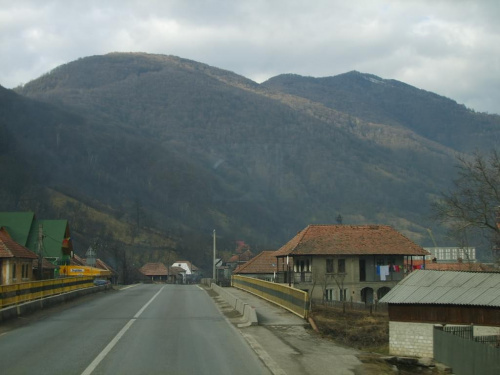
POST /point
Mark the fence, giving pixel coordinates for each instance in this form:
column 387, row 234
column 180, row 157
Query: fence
column 24, row 292
column 357, row 306
column 465, row 354
column 294, row 300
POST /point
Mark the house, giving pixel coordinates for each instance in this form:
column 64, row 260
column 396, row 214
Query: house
column 191, row 273
column 262, row 266
column 239, row 258
column 426, row 298
column 25, row 229
column 358, row 263
column 16, row 261
column 155, row 272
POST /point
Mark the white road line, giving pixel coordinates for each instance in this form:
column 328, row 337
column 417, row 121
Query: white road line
column 117, row 338
column 128, row 287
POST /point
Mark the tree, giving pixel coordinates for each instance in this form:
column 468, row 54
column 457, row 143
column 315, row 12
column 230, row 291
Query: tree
column 474, row 202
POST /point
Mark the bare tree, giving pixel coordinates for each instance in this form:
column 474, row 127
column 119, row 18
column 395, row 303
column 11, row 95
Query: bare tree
column 474, row 202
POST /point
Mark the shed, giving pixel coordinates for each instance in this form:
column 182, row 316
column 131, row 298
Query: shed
column 428, row 297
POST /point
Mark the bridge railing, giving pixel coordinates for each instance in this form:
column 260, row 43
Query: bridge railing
column 294, row 300
column 23, row 292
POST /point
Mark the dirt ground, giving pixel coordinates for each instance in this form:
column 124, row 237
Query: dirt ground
column 363, row 331
column 356, row 329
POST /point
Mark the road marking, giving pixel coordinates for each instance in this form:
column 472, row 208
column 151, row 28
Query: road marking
column 117, row 338
column 128, row 287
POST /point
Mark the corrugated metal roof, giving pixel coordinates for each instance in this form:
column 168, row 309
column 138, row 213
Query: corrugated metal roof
column 447, row 288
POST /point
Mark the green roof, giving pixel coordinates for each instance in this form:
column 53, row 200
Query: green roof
column 23, row 228
column 18, row 225
column 54, row 232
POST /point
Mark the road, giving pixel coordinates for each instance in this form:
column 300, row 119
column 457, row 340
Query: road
column 146, row 329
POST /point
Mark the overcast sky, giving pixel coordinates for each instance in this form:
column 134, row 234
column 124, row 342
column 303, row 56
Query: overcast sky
column 450, row 47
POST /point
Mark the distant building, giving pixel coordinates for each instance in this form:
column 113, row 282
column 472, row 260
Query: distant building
column 451, row 254
column 262, row 266
column 16, row 261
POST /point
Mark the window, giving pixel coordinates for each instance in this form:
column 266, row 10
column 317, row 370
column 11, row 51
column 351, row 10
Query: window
column 14, row 271
column 329, row 266
column 343, row 295
column 341, row 266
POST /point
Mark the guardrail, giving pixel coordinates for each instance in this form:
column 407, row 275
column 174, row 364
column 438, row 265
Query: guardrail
column 23, row 292
column 294, row 300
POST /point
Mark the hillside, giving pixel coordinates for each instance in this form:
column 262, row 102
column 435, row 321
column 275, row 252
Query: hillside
column 185, row 148
column 385, row 101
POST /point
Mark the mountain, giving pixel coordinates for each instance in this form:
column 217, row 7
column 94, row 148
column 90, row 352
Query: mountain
column 385, row 101
column 184, row 148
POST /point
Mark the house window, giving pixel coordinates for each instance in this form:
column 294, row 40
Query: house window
column 14, row 271
column 329, row 266
column 341, row 266
column 329, row 295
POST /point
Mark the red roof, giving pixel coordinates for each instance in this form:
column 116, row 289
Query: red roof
column 350, row 240
column 154, row 269
column 464, row 266
column 265, row 262
column 11, row 249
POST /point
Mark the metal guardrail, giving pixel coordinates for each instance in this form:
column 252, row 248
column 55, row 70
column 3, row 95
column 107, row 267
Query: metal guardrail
column 294, row 300
column 23, row 292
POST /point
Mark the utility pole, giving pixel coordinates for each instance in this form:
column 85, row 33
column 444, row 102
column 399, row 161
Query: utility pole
column 40, row 252
column 214, row 275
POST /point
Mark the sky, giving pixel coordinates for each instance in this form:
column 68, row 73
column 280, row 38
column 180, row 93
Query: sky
column 450, row 47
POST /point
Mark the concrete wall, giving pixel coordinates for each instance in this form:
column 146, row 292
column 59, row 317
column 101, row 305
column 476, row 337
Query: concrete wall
column 417, row 340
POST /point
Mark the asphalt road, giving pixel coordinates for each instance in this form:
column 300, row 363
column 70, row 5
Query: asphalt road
column 146, row 329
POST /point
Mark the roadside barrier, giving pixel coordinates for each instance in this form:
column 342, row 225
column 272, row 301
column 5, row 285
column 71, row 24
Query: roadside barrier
column 15, row 294
column 294, row 300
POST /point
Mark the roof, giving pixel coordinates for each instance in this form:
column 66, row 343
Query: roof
column 18, row 224
column 464, row 266
column 447, row 288
column 11, row 249
column 265, row 262
column 54, row 232
column 154, row 269
column 191, row 267
column 350, row 240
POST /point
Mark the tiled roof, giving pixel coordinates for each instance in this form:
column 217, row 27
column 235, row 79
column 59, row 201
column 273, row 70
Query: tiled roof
column 154, row 269
column 350, row 240
column 11, row 249
column 447, row 288
column 79, row 261
column 45, row 264
column 265, row 262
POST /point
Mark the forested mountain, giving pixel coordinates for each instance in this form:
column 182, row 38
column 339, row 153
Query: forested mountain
column 184, row 148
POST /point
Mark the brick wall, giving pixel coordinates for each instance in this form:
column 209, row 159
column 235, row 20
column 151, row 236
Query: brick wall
column 411, row 339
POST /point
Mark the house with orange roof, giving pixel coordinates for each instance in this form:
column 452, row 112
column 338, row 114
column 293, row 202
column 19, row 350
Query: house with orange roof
column 155, row 272
column 16, row 261
column 262, row 266
column 359, row 263
column 191, row 272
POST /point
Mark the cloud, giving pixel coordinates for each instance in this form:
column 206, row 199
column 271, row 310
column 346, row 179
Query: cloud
column 450, row 47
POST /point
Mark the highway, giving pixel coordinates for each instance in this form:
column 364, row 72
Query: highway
column 146, row 329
